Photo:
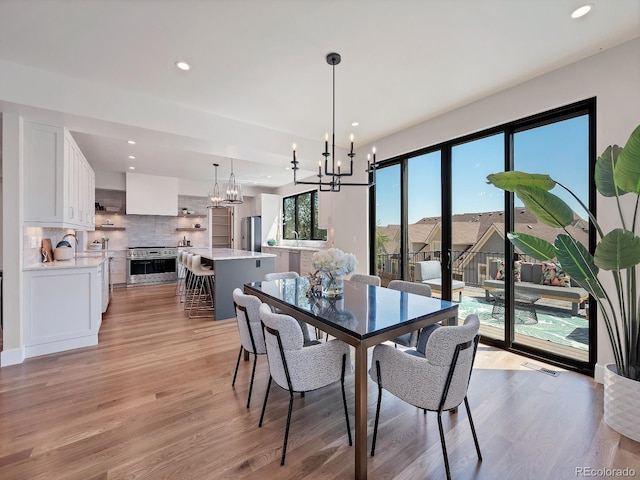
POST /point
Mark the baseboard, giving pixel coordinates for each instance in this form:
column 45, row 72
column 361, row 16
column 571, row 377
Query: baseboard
column 598, row 373
column 14, row 356
column 60, row 346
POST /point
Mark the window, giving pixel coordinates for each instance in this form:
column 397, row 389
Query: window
column 301, row 216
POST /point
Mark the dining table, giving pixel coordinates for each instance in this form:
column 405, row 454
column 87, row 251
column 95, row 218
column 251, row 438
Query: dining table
column 363, row 316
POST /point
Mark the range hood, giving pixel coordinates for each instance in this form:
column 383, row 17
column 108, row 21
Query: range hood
column 151, row 195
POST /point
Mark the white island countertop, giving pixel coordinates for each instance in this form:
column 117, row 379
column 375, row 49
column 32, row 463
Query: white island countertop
column 228, row 253
column 91, row 260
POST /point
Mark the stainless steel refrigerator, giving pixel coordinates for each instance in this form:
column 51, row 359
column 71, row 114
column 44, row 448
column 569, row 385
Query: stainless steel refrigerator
column 251, row 234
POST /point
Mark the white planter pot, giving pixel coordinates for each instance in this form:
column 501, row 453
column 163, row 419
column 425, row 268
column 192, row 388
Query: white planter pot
column 621, row 403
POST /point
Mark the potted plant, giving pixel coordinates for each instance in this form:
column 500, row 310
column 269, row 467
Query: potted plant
column 617, row 173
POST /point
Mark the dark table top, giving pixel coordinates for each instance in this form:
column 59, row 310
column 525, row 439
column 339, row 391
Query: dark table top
column 363, row 311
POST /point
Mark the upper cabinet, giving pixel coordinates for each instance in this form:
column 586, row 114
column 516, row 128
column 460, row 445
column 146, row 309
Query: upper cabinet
column 59, row 183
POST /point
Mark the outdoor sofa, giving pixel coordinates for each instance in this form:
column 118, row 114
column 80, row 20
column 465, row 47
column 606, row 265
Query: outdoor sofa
column 531, row 277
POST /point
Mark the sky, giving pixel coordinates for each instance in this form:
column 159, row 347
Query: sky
column 559, row 149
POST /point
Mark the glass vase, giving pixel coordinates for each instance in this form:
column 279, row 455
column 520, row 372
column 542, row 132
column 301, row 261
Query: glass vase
column 332, row 286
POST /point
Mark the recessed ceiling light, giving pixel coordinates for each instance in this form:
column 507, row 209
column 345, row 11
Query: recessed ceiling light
column 131, row 142
column 183, row 65
column 132, row 168
column 132, row 157
column 355, row 124
column 582, row 10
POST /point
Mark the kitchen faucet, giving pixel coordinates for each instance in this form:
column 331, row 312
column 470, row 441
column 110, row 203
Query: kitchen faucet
column 71, row 235
column 297, row 236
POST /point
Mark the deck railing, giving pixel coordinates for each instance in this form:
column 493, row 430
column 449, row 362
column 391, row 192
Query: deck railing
column 472, row 267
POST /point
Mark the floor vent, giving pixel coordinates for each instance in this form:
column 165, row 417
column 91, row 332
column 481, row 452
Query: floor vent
column 541, row 369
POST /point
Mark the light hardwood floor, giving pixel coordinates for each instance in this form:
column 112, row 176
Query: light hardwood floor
column 154, row 401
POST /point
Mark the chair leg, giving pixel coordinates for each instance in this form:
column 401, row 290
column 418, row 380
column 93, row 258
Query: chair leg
column 233, row 384
column 286, row 431
column 444, row 446
column 264, row 405
column 473, row 429
column 253, row 374
column 375, row 425
column 344, row 400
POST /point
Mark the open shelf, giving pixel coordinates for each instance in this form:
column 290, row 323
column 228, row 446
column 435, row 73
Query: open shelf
column 190, row 229
column 120, row 211
column 98, row 227
column 191, row 215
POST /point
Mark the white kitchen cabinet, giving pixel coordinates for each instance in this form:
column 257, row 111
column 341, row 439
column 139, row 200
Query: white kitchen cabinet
column 119, row 267
column 58, row 181
column 306, row 266
column 282, row 257
column 105, row 292
column 62, row 308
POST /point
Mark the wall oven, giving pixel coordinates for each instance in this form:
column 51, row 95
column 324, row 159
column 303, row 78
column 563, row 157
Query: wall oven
column 150, row 265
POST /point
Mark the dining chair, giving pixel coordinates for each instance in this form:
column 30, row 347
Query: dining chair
column 310, row 335
column 437, row 381
column 250, row 329
column 368, row 279
column 280, row 275
column 297, row 368
column 409, row 339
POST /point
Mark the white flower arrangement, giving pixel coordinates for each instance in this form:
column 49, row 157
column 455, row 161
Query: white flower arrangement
column 334, row 262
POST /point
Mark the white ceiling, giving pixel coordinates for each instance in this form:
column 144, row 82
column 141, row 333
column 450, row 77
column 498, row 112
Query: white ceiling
column 259, row 80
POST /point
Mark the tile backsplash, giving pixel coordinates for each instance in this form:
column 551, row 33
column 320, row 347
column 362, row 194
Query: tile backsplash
column 139, row 230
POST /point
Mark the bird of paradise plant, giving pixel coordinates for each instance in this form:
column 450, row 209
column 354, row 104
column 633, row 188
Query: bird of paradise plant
column 617, row 173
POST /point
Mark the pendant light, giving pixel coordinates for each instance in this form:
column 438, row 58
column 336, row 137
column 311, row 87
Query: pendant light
column 233, row 192
column 215, row 199
column 330, row 178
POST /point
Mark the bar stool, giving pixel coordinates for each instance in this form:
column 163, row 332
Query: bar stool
column 202, row 299
column 188, row 278
column 182, row 272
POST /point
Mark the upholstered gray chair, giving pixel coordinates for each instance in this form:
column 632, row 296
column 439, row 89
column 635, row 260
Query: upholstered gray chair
column 437, row 381
column 297, row 368
column 368, row 279
column 280, row 275
column 250, row 328
column 409, row 339
column 310, row 334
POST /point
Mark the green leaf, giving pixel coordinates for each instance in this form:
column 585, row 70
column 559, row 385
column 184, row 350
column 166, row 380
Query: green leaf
column 547, row 207
column 603, row 174
column 533, row 246
column 627, row 170
column 511, row 180
column 578, row 263
column 618, row 249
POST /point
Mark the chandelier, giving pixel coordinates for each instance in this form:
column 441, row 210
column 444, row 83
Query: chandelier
column 215, row 199
column 330, row 179
column 233, row 192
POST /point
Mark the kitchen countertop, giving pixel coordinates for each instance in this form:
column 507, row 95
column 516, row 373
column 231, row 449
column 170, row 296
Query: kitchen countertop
column 228, row 253
column 290, row 247
column 78, row 262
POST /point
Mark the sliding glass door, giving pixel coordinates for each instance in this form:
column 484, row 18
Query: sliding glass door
column 477, row 229
column 436, row 216
column 553, row 317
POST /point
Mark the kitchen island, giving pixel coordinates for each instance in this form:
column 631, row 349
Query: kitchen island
column 233, row 268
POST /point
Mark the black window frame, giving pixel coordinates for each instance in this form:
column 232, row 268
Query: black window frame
column 317, row 233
